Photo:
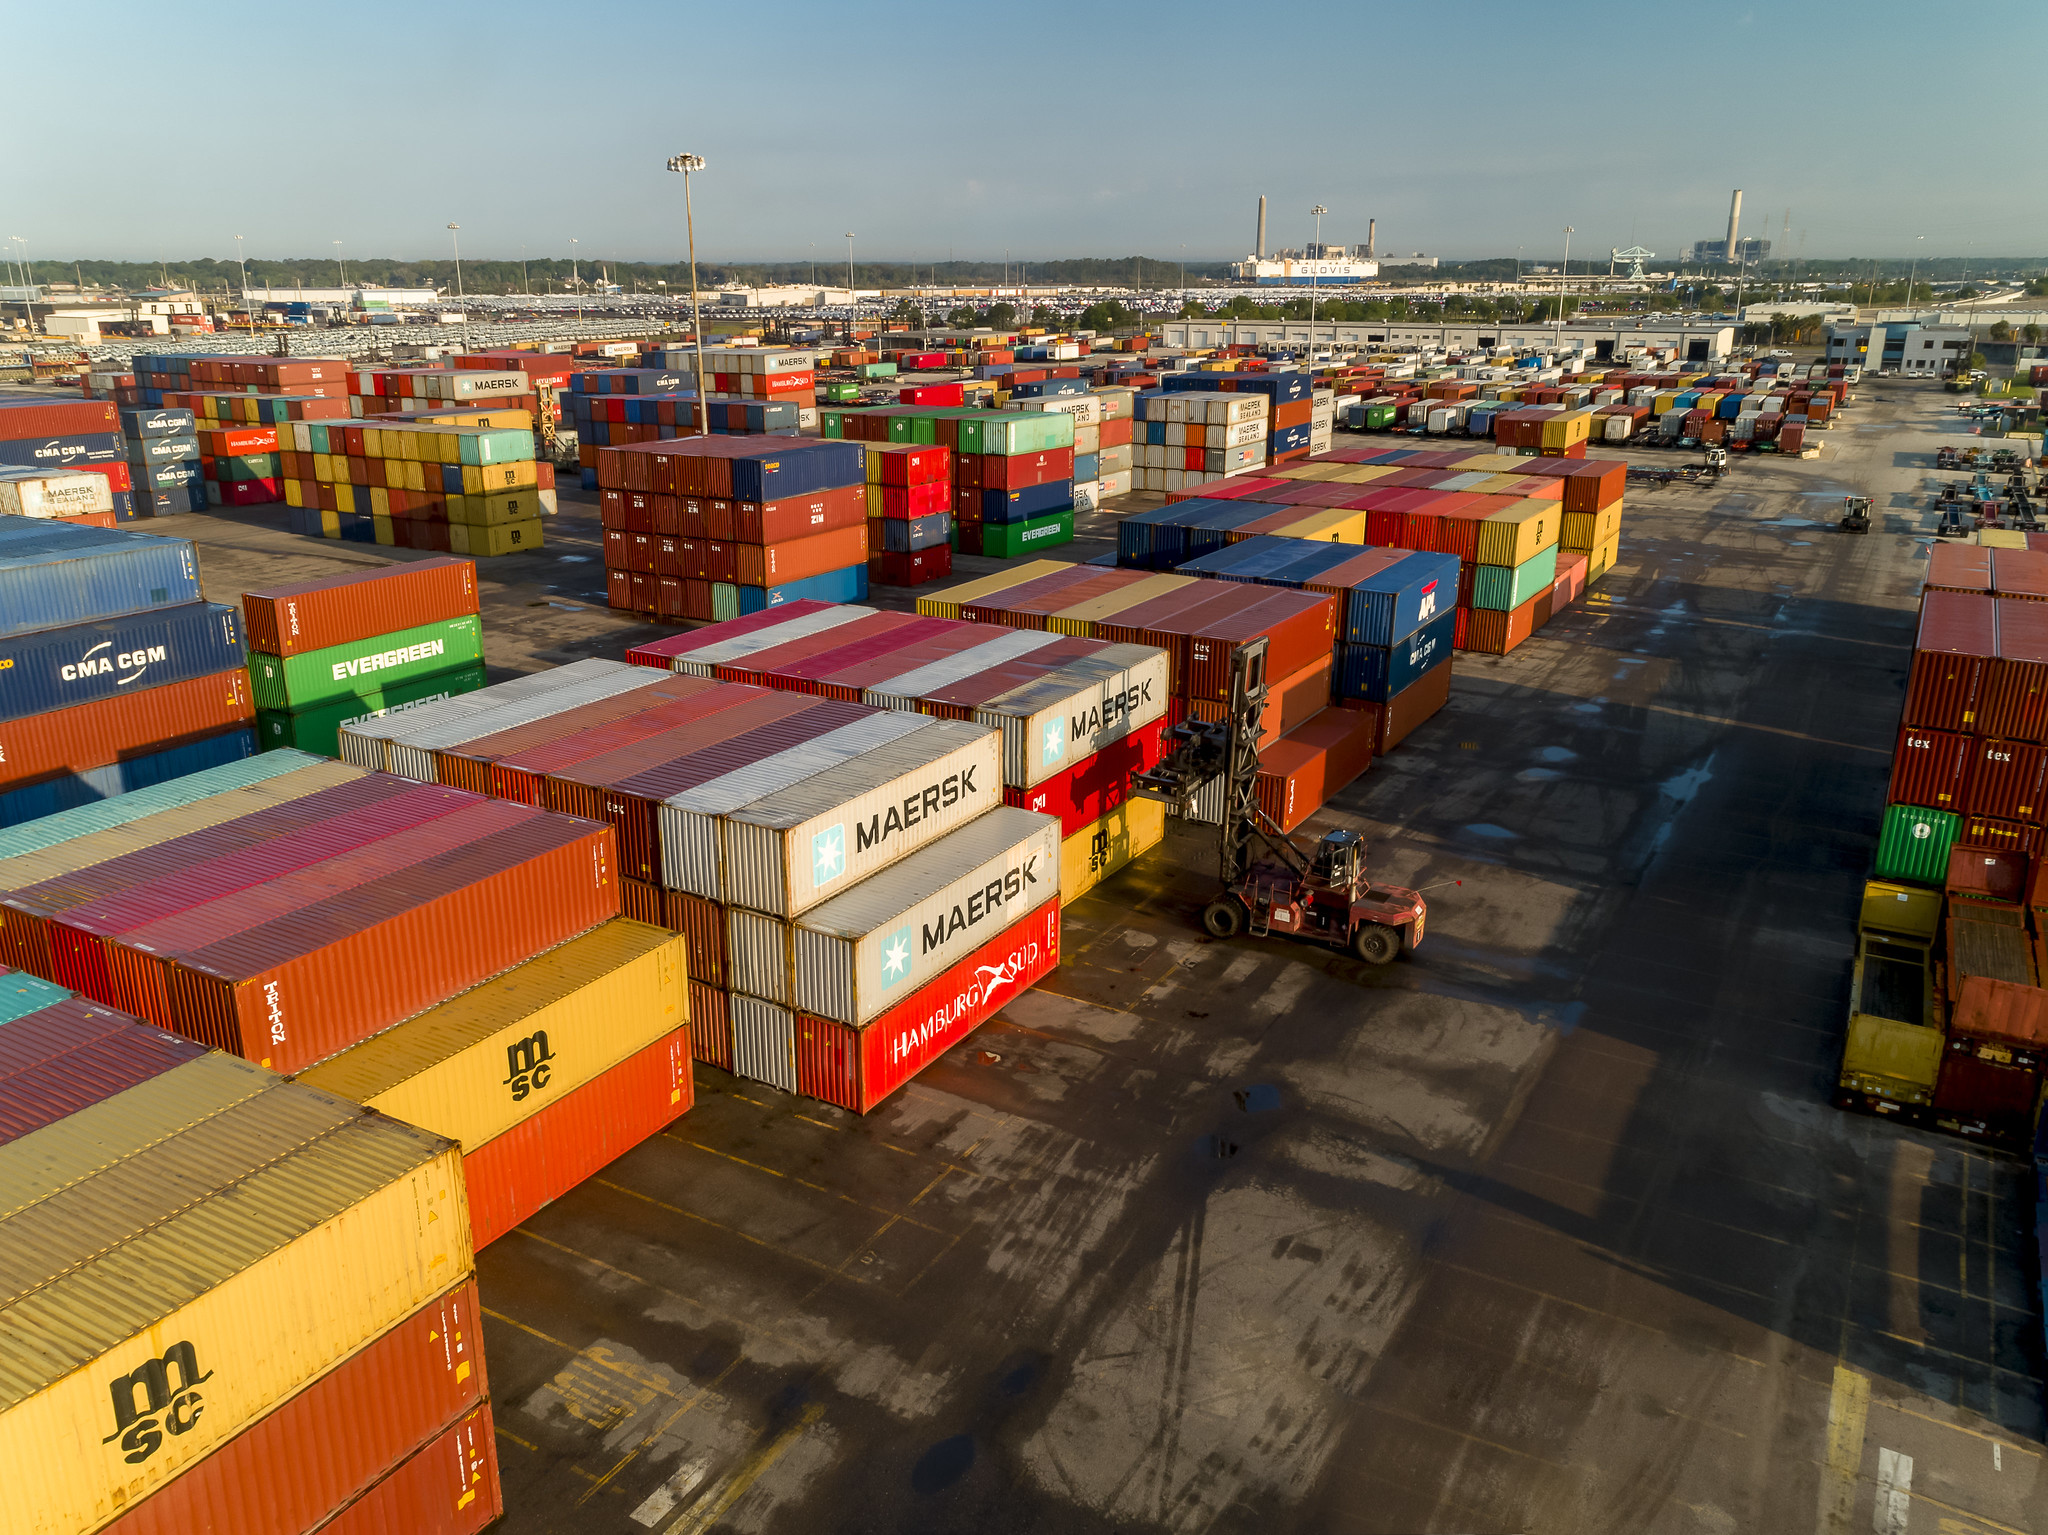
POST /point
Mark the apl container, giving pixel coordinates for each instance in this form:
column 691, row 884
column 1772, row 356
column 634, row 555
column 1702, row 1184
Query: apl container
column 788, row 850
column 340, row 610
column 191, row 1252
column 362, row 668
column 53, row 574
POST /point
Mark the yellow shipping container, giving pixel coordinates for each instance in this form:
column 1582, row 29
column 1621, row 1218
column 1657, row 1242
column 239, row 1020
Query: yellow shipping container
column 186, row 1254
column 1517, row 532
column 1489, row 463
column 1102, row 848
column 1602, row 559
column 521, row 475
column 1891, row 1059
column 874, row 490
column 2001, row 538
column 477, row 1065
column 497, row 538
column 293, row 496
column 1310, row 471
column 344, row 497
column 1587, row 531
column 948, row 603
column 1893, row 909
column 381, row 528
column 1668, row 400
column 495, row 508
column 1328, row 525
column 1363, row 474
column 1566, row 428
column 1080, row 620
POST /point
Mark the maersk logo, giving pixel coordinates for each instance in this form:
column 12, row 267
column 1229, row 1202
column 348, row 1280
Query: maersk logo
column 828, row 854
column 996, row 896
column 896, row 957
column 1055, row 740
column 148, row 1404
column 124, row 666
column 1427, row 607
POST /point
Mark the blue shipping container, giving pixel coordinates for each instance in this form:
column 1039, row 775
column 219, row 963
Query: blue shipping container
column 56, row 574
column 1288, row 438
column 64, row 451
column 82, row 663
column 158, row 423
column 74, row 790
column 849, row 584
column 1375, row 673
column 1087, row 466
column 163, row 450
column 1006, row 506
column 1393, row 603
column 901, row 535
column 166, row 794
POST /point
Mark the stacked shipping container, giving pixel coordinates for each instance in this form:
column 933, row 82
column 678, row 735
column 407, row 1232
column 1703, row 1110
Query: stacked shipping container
column 467, row 485
column 47, row 434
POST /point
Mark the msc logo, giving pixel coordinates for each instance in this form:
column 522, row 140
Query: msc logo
column 529, row 1065
column 146, row 1407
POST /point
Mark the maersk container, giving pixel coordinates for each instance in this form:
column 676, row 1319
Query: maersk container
column 763, row 1042
column 1074, row 711
column 52, row 574
column 904, row 690
column 363, row 667
column 693, row 846
column 406, row 743
column 207, row 1242
column 78, row 663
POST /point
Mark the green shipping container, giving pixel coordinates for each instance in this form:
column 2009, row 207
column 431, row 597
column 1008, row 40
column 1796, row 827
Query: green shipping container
column 1377, row 416
column 319, row 729
column 725, row 601
column 1498, row 586
column 878, row 370
column 293, row 684
column 1013, row 432
column 1914, row 844
column 1005, row 541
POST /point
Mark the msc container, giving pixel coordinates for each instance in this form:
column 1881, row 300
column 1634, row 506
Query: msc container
column 1105, row 847
column 788, row 850
column 188, row 1254
column 1075, row 710
column 449, row 1488
column 359, row 605
column 514, row 1175
column 367, row 1416
column 856, row 1068
column 857, row 955
column 314, row 677
column 319, row 729
column 104, row 731
column 53, row 574
column 81, row 663
column 476, row 1065
column 406, row 743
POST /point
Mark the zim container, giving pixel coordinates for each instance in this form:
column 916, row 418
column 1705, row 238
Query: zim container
column 206, row 1244
column 339, row 610
column 360, row 669
column 856, row 1068
column 318, row 729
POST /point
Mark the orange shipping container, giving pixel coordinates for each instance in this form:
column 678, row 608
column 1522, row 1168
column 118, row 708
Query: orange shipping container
column 801, row 558
column 1301, row 771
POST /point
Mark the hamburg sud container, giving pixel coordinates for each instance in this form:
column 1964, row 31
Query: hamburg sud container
column 406, row 743
column 313, row 615
column 492, row 1059
column 53, row 574
column 194, row 1242
column 803, row 840
column 1074, row 711
column 81, row 663
column 363, row 668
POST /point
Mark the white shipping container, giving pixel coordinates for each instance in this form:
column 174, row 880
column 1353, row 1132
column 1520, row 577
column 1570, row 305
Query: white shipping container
column 763, row 1042
column 1087, row 439
column 704, row 660
column 1244, row 434
column 54, row 493
column 413, row 737
column 1618, row 428
column 1221, row 461
column 1115, row 483
column 854, row 957
column 1087, row 495
column 903, row 690
column 789, row 850
column 1086, row 409
column 1053, row 722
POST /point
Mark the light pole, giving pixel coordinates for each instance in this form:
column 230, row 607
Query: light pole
column 814, row 263
column 1314, row 286
column 852, row 304
column 686, row 164
column 525, row 287
column 1913, row 275
column 28, row 269
column 340, row 269
column 1561, row 279
column 455, row 235
column 575, row 281
column 248, row 309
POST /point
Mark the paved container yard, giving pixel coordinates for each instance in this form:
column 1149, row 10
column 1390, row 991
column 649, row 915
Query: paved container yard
column 1547, row 1228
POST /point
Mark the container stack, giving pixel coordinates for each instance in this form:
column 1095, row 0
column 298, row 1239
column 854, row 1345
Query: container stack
column 381, row 391
column 460, row 488
column 114, row 673
column 56, row 495
column 345, row 649
column 164, row 461
column 51, row 434
column 1290, row 405
column 1188, row 438
column 1014, row 482
column 910, row 513
column 237, row 404
column 734, row 526
column 1947, row 1025
column 265, row 1266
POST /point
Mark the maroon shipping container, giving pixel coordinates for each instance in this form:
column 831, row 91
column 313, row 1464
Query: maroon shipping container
column 1300, row 629
column 339, row 1437
column 759, row 667
column 711, row 1025
column 851, row 668
column 448, row 1488
column 59, row 418
column 702, row 924
column 1978, row 874
column 337, row 610
column 1930, row 768
column 660, row 653
column 2006, row 836
column 642, row 902
column 513, row 1175
column 2019, row 573
column 2005, row 779
column 304, row 985
column 1028, row 591
column 1977, row 1089
column 1170, row 622
column 1958, row 637
column 1396, row 719
column 1491, row 632
column 1301, row 771
column 959, row 700
column 73, row 1054
column 897, row 567
column 776, row 522
column 799, row 559
column 110, row 730
column 1031, row 610
column 2016, row 681
column 519, row 775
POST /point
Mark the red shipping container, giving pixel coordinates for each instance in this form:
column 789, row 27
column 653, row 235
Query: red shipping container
column 1021, row 471
column 512, row 1176
column 250, row 492
column 641, row 901
column 2004, row 836
column 906, row 501
column 1301, row 770
column 659, row 653
column 702, row 924
column 74, row 1053
column 339, row 1436
column 711, row 1025
column 618, row 588
column 857, row 1068
column 1976, row 1089
column 2001, row 1013
column 847, row 671
column 1594, row 484
column 911, row 568
column 448, row 1488
column 109, row 730
column 802, row 558
column 116, row 474
column 776, row 522
column 906, row 464
column 336, row 610
column 470, row 764
column 1300, row 629
column 1931, row 768
column 1093, row 787
column 597, row 729
column 1978, row 874
column 2015, row 689
column 765, row 665
column 58, row 418
column 1957, row 639
column 2005, row 779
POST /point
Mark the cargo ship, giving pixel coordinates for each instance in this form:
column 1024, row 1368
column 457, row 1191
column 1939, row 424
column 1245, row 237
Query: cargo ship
column 1310, row 267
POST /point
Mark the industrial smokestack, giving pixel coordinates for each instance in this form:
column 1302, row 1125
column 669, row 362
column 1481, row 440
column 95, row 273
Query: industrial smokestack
column 1734, row 223
column 1259, row 250
column 1371, row 231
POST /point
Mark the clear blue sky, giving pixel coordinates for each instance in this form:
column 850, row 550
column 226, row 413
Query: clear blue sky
column 1050, row 129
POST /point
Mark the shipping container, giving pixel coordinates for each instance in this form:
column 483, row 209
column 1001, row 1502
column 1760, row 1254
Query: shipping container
column 1958, row 637
column 355, row 670
column 2015, row 690
column 448, row 1488
column 53, row 574
column 1076, row 710
column 1306, row 767
column 204, row 1244
column 104, row 731
column 1104, row 848
column 711, row 1024
column 701, row 651
column 1930, row 768
column 358, row 605
column 318, row 729
column 514, row 763
column 406, row 743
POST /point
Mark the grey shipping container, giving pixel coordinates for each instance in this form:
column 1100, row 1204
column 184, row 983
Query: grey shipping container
column 904, row 690
column 788, row 851
column 1073, row 711
column 54, row 573
column 81, row 663
column 163, row 450
column 414, row 737
column 702, row 662
column 164, row 421
column 763, row 1042
column 857, row 955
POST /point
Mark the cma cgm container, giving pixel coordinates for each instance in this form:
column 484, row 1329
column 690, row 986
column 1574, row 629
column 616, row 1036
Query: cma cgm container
column 856, row 1068
column 788, row 850
column 206, row 1244
column 82, row 663
column 367, row 1417
column 53, row 574
column 339, row 610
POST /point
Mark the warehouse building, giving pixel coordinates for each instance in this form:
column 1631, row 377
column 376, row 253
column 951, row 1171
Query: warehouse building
column 1691, row 342
column 1914, row 350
